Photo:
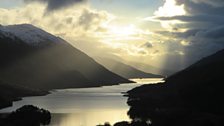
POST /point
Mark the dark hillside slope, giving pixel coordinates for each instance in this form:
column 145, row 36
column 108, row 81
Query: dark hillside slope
column 194, row 94
column 10, row 93
column 33, row 58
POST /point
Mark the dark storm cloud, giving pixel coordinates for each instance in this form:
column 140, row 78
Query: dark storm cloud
column 56, row 4
column 203, row 6
column 215, row 3
column 204, row 19
column 203, row 26
column 213, row 19
column 213, row 33
column 182, row 35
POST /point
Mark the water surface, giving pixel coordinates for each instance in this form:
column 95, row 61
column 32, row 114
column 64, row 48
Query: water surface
column 85, row 106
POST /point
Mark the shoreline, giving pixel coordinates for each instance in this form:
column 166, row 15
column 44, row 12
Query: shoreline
column 9, row 103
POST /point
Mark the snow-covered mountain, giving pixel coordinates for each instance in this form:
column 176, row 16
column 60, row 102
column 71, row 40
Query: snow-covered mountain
column 34, row 58
column 28, row 33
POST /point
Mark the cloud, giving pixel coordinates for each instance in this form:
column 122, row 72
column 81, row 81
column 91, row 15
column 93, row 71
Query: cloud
column 156, row 51
column 197, row 33
column 213, row 33
column 214, row 19
column 196, row 7
column 147, row 45
column 191, row 29
column 69, row 21
column 79, row 26
column 215, row 3
column 90, row 19
column 170, row 9
column 199, row 13
column 57, row 4
column 89, row 30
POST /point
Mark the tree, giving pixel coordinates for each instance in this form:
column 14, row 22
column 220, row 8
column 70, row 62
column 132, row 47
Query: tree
column 28, row 115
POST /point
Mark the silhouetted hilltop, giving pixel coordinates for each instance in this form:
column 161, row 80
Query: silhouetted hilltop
column 33, row 58
column 27, row 115
column 194, row 95
column 125, row 70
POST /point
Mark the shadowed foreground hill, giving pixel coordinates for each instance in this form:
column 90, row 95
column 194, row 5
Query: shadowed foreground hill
column 33, row 58
column 125, row 70
column 27, row 115
column 9, row 93
column 192, row 97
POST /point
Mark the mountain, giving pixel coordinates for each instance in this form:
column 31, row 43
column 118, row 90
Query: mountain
column 150, row 69
column 194, row 94
column 33, row 58
column 10, row 93
column 125, row 70
column 202, row 83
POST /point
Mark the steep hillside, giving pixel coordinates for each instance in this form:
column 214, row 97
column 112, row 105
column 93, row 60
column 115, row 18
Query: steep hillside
column 10, row 93
column 34, row 58
column 194, row 94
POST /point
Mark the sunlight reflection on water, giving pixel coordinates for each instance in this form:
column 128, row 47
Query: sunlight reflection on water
column 84, row 106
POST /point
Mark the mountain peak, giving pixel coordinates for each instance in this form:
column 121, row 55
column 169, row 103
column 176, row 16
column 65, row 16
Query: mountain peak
column 53, row 64
column 28, row 33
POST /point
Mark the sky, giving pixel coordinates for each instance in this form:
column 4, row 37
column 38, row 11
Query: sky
column 170, row 34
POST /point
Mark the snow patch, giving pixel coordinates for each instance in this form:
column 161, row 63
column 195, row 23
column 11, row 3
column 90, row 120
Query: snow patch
column 29, row 34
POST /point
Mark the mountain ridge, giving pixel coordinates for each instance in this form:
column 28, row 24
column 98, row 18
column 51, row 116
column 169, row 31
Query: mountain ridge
column 33, row 67
column 151, row 69
column 124, row 70
column 38, row 66
column 28, row 33
column 194, row 94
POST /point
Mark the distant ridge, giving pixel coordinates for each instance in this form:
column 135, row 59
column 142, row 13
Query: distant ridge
column 125, row 70
column 151, row 69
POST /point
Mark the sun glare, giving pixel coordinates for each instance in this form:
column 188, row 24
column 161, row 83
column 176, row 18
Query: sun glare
column 123, row 30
